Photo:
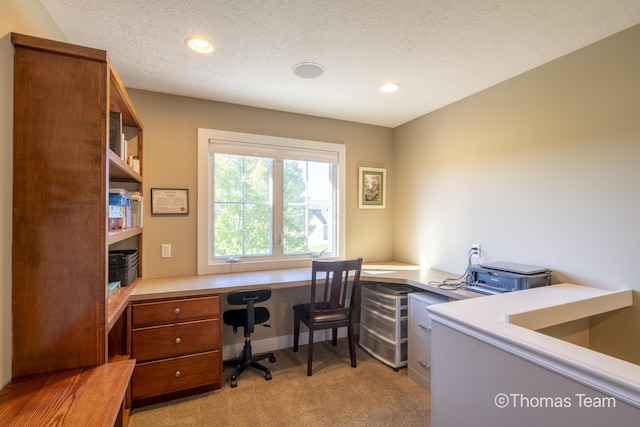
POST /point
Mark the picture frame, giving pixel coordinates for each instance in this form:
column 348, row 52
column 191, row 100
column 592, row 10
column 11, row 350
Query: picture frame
column 169, row 201
column 372, row 188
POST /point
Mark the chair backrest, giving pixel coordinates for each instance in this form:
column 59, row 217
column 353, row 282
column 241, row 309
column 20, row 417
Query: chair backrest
column 330, row 285
column 249, row 297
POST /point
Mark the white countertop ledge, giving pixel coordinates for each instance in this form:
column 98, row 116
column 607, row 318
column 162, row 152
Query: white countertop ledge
column 504, row 321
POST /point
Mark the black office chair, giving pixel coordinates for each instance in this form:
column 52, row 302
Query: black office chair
column 247, row 318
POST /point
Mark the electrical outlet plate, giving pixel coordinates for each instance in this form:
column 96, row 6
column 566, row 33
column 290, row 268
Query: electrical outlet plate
column 166, row 250
column 475, row 250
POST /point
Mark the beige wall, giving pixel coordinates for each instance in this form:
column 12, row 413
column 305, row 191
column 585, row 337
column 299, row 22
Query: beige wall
column 27, row 17
column 169, row 160
column 542, row 169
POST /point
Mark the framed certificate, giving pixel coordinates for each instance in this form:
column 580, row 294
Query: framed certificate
column 169, row 201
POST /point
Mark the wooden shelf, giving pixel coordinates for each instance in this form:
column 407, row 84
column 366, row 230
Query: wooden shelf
column 120, row 171
column 80, row 397
column 118, row 303
column 116, row 236
column 119, row 358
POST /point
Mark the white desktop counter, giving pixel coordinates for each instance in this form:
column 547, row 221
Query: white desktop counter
column 389, row 272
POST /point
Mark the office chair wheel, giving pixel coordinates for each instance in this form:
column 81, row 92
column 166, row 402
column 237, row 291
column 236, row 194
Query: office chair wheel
column 272, row 359
column 267, row 376
column 234, row 383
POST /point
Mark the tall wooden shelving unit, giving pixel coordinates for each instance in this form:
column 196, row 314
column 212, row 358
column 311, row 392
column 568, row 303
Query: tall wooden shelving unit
column 63, row 317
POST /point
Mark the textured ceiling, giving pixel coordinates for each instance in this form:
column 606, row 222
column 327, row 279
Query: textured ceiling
column 438, row 50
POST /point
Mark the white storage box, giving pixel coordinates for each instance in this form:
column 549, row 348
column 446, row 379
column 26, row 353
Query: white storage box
column 372, row 296
column 390, row 353
column 385, row 326
column 383, row 322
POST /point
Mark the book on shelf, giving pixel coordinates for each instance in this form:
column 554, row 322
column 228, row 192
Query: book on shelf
column 115, row 132
column 113, row 287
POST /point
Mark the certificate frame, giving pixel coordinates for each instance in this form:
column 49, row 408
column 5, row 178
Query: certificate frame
column 372, row 188
column 169, row 201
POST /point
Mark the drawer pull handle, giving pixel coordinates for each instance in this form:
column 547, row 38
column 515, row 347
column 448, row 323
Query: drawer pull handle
column 177, row 374
column 425, row 327
column 176, row 311
column 178, row 340
column 424, row 365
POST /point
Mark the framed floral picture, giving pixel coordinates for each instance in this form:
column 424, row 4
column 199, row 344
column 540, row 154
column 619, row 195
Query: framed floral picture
column 372, row 184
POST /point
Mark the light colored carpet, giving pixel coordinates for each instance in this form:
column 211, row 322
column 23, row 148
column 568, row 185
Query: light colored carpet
column 371, row 394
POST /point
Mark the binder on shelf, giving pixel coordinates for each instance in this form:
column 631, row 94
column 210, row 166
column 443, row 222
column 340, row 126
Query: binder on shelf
column 115, row 132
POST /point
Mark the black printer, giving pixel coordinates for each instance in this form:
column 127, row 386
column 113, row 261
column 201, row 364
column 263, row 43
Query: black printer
column 500, row 277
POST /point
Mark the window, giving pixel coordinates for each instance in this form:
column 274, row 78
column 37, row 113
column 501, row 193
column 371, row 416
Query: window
column 266, row 202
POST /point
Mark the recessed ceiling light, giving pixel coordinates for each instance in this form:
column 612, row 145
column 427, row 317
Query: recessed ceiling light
column 200, row 45
column 389, row 87
column 308, row 70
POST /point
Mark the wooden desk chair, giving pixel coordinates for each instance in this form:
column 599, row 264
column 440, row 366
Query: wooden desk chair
column 328, row 308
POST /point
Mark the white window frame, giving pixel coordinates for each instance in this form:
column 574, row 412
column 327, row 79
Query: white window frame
column 206, row 262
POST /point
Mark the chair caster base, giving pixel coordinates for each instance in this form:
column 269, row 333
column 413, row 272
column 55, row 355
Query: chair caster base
column 234, row 383
column 267, row 376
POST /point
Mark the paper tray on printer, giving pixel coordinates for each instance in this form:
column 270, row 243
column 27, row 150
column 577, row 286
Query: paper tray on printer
column 487, row 290
column 512, row 267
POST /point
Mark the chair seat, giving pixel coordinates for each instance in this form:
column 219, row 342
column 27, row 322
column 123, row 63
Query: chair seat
column 237, row 318
column 332, row 316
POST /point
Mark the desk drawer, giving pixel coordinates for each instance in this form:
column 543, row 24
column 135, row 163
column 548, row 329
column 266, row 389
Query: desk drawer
column 385, row 326
column 175, row 310
column 393, row 354
column 159, row 342
column 179, row 373
column 372, row 297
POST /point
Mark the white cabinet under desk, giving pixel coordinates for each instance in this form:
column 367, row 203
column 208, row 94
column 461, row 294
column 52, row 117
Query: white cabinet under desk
column 419, row 333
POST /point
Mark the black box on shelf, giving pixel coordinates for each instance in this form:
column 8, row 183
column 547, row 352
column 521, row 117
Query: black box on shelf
column 123, row 266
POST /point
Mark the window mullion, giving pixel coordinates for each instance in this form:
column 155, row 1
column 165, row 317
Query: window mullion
column 277, row 203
